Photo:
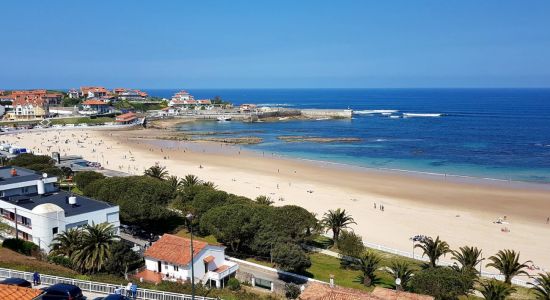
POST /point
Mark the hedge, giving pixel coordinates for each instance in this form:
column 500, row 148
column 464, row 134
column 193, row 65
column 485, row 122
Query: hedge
column 21, row 246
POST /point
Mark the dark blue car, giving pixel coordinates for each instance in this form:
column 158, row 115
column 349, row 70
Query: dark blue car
column 16, row 281
column 62, row 291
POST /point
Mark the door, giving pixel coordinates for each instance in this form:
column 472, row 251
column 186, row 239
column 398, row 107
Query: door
column 159, row 268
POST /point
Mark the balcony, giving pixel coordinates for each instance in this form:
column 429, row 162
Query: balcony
column 223, row 271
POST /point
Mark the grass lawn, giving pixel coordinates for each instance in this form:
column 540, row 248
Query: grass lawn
column 82, row 120
column 210, row 239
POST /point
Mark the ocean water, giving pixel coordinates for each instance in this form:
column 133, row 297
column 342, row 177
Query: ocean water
column 490, row 133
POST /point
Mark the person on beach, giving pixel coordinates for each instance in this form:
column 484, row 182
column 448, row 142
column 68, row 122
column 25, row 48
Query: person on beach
column 374, row 205
column 548, row 220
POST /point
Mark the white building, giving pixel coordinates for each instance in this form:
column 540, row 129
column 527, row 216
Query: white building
column 42, row 211
column 169, row 258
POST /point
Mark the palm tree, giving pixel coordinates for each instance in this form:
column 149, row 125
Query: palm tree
column 541, row 287
column 368, row 263
column 156, row 171
column 191, row 180
column 336, row 220
column 264, row 200
column 495, row 290
column 209, row 184
column 174, row 182
column 67, row 242
column 468, row 258
column 401, row 270
column 434, row 249
column 507, row 262
column 94, row 250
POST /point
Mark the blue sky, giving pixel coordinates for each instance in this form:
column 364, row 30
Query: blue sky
column 256, row 44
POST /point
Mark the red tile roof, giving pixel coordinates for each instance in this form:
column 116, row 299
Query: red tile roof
column 174, row 249
column 150, row 276
column 11, row 292
column 383, row 293
column 126, row 117
column 93, row 102
column 209, row 259
column 318, row 291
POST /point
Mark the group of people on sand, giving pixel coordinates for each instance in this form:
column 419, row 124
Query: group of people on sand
column 381, row 206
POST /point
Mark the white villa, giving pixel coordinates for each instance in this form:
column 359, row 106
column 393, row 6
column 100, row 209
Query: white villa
column 36, row 210
column 169, row 258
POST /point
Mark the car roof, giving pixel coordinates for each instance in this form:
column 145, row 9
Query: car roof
column 62, row 286
column 13, row 280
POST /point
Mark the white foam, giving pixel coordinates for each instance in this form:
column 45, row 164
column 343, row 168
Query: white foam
column 412, row 115
column 374, row 111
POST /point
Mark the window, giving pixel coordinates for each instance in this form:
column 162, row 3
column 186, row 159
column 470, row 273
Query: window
column 176, row 268
column 112, row 217
column 77, row 224
column 54, row 230
column 165, row 266
column 25, row 190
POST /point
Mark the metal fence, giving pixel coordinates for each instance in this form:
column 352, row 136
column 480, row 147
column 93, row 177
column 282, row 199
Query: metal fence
column 98, row 287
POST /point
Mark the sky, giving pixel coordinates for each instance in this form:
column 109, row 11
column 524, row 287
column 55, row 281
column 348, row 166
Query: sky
column 275, row 44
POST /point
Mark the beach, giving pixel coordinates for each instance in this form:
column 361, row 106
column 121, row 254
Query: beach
column 461, row 213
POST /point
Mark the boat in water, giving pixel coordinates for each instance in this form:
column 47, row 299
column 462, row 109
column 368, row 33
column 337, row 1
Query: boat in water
column 224, row 118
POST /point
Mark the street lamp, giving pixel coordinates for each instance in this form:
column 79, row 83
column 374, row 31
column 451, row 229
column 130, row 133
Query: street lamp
column 190, row 217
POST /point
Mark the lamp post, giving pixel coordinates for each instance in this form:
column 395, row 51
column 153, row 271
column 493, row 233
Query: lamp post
column 481, row 263
column 190, row 219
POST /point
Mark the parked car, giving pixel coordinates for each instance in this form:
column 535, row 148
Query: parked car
column 62, row 291
column 113, row 297
column 16, row 281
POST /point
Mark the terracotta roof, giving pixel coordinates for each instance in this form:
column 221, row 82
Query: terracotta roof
column 318, row 291
column 126, row 117
column 174, row 249
column 209, row 259
column 11, row 292
column 93, row 102
column 394, row 295
column 221, row 268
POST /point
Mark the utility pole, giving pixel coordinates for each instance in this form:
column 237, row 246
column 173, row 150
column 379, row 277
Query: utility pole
column 15, row 219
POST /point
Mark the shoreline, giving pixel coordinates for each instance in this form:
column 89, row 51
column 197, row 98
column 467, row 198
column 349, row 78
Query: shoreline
column 462, row 213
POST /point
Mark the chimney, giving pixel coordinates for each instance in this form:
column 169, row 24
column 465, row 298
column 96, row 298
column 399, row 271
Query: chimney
column 72, row 200
column 331, row 281
column 13, row 172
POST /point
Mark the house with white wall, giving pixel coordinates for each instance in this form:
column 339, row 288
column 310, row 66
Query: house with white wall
column 169, row 258
column 36, row 210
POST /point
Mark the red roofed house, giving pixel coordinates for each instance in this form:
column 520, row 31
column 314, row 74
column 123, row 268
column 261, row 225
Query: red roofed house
column 126, row 118
column 28, row 105
column 94, row 106
column 169, row 258
column 93, row 91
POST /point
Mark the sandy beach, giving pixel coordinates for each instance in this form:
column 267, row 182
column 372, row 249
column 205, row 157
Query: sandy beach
column 460, row 213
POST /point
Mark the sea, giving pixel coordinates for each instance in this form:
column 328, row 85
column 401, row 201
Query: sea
column 497, row 134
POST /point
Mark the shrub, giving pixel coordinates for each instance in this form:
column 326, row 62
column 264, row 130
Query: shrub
column 290, row 257
column 84, row 178
column 292, row 291
column 442, row 283
column 21, row 246
column 61, row 260
column 350, row 244
column 233, row 284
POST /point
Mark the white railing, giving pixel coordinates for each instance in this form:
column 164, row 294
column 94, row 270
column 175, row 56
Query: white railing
column 98, row 287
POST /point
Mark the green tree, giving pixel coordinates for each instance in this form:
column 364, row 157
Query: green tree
column 38, row 163
column 441, row 283
column 290, row 257
column 433, row 249
column 231, row 225
column 336, row 220
column 94, row 251
column 67, row 242
column 292, row 291
column 122, row 259
column 402, row 270
column 507, row 262
column 175, row 183
column 84, row 178
column 541, row 287
column 350, row 244
column 143, row 200
column 368, row 263
column 495, row 290
column 468, row 258
column 156, row 171
column 191, row 180
column 264, row 200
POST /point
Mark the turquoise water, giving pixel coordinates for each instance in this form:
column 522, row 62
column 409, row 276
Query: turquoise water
column 493, row 133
